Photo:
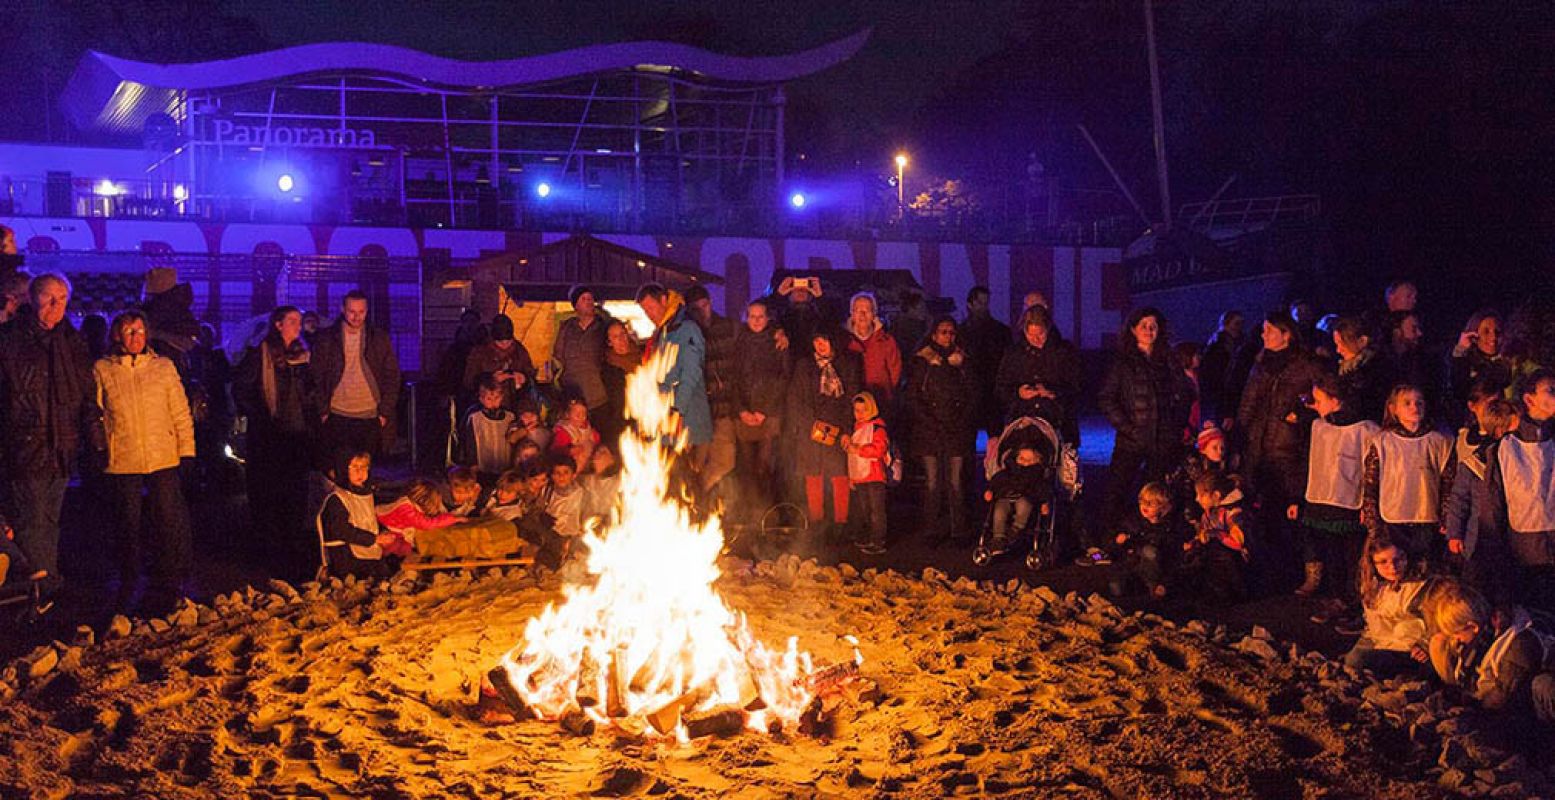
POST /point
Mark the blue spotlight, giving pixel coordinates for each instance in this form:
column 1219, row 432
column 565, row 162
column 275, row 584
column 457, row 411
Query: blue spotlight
column 285, row 183
column 797, row 199
column 543, row 190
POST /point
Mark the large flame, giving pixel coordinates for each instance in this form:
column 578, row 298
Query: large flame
column 645, row 640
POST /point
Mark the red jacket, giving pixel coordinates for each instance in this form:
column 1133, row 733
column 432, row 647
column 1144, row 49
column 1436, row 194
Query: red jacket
column 882, row 362
column 866, row 464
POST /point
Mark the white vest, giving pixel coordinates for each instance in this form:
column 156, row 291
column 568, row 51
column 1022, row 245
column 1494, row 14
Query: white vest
column 1394, row 622
column 493, row 454
column 1528, row 476
column 363, row 515
column 1410, row 476
column 1334, row 462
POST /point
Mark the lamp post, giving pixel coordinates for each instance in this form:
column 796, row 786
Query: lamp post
column 901, row 197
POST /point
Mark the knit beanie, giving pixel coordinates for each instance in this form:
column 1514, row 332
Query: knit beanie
column 1210, row 433
column 160, row 279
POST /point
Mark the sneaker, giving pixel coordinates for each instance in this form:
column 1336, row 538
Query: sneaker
column 1094, row 557
column 871, row 548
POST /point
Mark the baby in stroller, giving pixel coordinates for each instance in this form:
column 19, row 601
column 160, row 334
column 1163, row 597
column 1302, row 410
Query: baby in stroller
column 1015, row 491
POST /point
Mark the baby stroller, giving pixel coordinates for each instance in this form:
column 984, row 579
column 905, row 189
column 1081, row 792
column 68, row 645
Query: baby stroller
column 1060, row 464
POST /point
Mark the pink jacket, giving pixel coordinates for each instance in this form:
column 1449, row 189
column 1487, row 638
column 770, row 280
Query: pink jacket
column 866, row 464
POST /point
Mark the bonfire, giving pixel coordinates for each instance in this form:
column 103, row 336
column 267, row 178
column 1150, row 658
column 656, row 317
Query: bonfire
column 644, row 642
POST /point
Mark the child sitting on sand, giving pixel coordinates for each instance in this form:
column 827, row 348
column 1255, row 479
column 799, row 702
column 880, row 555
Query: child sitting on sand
column 1146, row 539
column 1214, row 559
column 347, row 522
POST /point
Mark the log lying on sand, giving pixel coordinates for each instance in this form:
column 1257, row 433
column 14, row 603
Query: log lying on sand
column 577, row 722
column 503, row 684
column 830, row 678
column 716, row 721
column 665, row 718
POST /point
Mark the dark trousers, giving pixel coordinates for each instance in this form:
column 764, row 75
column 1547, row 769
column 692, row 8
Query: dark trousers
column 755, row 458
column 1130, row 469
column 866, row 512
column 35, row 506
column 277, row 473
column 160, row 496
column 1212, row 573
column 341, row 433
column 1340, row 555
column 942, row 486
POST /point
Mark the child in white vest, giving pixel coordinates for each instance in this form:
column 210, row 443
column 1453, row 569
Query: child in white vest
column 349, row 537
column 1331, row 527
column 488, row 433
column 1524, row 493
column 1407, row 473
column 1392, row 589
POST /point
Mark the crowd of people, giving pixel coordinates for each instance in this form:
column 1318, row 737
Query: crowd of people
column 1413, row 488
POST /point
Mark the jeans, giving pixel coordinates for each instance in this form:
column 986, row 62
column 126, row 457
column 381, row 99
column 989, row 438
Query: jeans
column 1383, row 663
column 866, row 512
column 1003, row 507
column 167, row 537
column 719, row 458
column 942, row 484
column 35, row 516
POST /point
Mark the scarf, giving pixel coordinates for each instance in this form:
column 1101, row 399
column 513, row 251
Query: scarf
column 626, row 362
column 831, row 382
column 1349, row 365
column 272, row 357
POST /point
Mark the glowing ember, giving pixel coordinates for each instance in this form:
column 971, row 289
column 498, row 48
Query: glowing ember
column 645, row 643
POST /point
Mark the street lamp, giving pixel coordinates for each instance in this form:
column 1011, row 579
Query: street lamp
column 901, row 197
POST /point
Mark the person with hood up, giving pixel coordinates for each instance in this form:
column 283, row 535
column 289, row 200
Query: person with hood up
column 168, row 306
column 347, row 522
column 875, row 349
column 868, row 448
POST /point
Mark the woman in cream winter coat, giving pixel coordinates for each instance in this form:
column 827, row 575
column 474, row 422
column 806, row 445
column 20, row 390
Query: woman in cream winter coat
column 149, row 430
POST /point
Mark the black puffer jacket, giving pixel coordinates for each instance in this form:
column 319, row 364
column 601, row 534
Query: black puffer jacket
column 719, row 367
column 1365, row 383
column 940, row 395
column 1146, row 400
column 47, row 396
column 1274, row 440
column 761, row 372
column 1056, row 365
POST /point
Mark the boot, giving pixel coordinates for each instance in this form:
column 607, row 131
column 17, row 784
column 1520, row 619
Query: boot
column 1314, row 579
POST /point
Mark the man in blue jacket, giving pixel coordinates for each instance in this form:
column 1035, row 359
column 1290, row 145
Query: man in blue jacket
column 671, row 327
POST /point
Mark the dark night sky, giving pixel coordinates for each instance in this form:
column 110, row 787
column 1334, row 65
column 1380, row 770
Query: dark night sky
column 917, row 44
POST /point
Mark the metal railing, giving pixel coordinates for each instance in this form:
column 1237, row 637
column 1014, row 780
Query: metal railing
column 1249, row 212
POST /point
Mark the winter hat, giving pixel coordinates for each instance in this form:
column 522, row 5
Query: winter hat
column 160, row 279
column 867, row 400
column 502, row 328
column 1210, row 433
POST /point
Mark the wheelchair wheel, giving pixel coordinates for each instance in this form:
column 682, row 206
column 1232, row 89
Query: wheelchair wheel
column 1035, row 561
column 981, row 556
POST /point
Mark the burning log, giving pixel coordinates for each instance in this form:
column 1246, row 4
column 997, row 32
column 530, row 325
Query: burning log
column 717, row 721
column 503, row 685
column 588, row 680
column 615, row 684
column 577, row 722
column 830, row 678
column 667, row 716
